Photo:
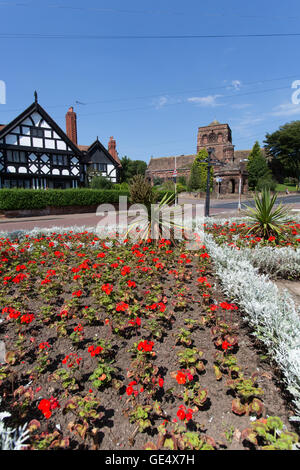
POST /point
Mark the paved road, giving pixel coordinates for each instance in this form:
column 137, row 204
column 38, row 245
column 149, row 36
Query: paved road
column 222, row 208
column 229, row 204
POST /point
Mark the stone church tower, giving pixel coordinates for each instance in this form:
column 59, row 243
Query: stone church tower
column 217, row 136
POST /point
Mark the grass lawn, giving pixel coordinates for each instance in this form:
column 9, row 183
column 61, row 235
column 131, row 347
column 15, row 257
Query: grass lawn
column 282, row 187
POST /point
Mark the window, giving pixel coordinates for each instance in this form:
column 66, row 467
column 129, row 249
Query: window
column 17, row 183
column 100, row 167
column 15, row 156
column 36, row 132
column 60, row 160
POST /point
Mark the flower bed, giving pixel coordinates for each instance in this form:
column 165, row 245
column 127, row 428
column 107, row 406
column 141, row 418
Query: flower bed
column 113, row 345
column 278, row 259
column 236, row 234
column 272, row 315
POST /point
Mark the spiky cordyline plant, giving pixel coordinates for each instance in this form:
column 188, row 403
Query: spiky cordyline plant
column 155, row 225
column 267, row 219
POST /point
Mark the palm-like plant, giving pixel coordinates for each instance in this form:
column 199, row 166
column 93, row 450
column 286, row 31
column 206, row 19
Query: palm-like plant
column 156, row 223
column 267, row 220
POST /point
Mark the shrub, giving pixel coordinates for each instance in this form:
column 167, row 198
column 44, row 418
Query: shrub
column 266, row 219
column 266, row 182
column 141, row 192
column 18, row 199
column 100, row 182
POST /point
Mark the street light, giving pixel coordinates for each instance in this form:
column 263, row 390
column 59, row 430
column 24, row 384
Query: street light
column 240, row 182
column 210, row 163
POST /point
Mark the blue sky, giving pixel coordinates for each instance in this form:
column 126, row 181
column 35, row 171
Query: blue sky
column 152, row 94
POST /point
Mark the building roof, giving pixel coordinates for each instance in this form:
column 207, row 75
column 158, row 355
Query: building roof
column 85, row 149
column 168, row 163
column 36, row 107
column 2, row 126
column 185, row 161
column 241, row 154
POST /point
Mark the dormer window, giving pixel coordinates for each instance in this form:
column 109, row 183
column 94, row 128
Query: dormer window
column 36, row 132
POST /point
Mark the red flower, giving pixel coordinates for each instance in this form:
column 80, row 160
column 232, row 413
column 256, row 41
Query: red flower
column 181, row 378
column 27, row 318
column 125, row 270
column 181, row 414
column 121, row 307
column 45, row 406
column 147, row 346
column 226, row 345
column 94, row 351
column 131, row 284
column 107, row 288
column 78, row 293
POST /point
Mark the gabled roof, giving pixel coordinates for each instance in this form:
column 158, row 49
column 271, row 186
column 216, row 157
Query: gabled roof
column 36, row 107
column 87, row 150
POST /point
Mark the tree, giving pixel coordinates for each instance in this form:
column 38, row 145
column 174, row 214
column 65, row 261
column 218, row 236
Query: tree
column 198, row 177
column 130, row 168
column 283, row 146
column 257, row 168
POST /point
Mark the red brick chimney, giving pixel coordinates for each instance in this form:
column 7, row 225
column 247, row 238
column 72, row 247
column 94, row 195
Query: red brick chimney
column 112, row 148
column 71, row 125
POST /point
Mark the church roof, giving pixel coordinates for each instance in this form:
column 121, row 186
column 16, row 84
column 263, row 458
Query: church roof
column 168, row 163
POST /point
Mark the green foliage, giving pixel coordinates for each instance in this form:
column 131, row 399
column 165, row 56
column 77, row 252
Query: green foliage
column 18, row 199
column 102, row 375
column 198, row 177
column 140, row 415
column 182, row 180
column 121, row 186
column 100, row 182
column 157, row 181
column 269, row 434
column 259, row 174
column 267, row 220
column 141, row 192
column 283, row 146
column 266, row 182
column 130, row 168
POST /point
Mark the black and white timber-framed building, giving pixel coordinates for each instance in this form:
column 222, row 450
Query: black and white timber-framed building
column 36, row 153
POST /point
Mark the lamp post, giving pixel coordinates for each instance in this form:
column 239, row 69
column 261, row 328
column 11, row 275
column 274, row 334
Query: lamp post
column 240, row 189
column 175, row 181
column 210, row 163
column 241, row 166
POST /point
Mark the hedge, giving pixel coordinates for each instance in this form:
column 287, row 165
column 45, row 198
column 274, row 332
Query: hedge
column 18, row 199
column 22, row 199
